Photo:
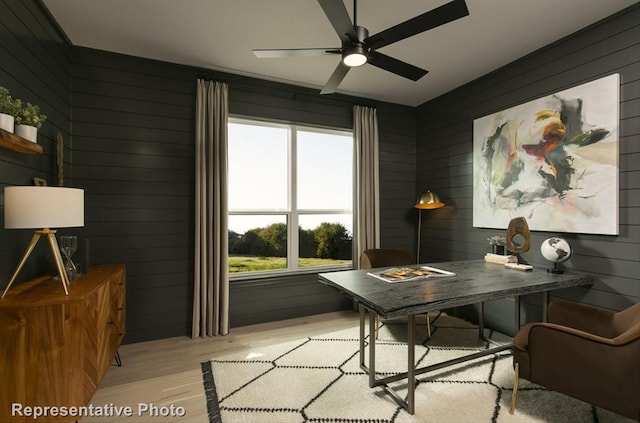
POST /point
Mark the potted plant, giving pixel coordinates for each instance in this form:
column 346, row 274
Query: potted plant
column 9, row 108
column 498, row 244
column 28, row 121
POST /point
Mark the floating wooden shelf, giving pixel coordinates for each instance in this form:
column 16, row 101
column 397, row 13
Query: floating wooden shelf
column 19, row 144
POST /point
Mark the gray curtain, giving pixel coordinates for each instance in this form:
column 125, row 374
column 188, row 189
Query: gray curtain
column 367, row 216
column 211, row 280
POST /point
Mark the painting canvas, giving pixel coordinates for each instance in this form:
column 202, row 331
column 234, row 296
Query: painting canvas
column 553, row 160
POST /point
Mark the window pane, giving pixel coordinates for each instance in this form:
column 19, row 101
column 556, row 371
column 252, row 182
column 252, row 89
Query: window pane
column 325, row 240
column 263, row 209
column 325, row 171
column 258, row 169
column 257, row 243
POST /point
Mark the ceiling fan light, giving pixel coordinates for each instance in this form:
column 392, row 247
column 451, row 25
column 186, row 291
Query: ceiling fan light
column 354, row 56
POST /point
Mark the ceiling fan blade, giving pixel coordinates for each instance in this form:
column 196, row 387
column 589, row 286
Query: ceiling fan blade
column 294, row 52
column 339, row 17
column 336, row 78
column 439, row 16
column 396, row 66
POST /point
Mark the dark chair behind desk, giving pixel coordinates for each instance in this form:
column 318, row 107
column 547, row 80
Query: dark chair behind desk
column 388, row 257
column 584, row 352
column 385, row 257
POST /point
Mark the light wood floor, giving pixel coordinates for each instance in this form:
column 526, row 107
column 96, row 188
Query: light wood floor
column 167, row 372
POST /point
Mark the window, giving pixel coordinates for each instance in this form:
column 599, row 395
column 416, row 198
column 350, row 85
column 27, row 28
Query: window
column 290, row 198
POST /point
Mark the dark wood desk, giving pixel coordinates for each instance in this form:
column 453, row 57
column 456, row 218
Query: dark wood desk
column 475, row 282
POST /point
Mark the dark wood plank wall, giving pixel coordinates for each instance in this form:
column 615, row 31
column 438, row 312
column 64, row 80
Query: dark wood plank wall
column 35, row 66
column 133, row 129
column 445, row 130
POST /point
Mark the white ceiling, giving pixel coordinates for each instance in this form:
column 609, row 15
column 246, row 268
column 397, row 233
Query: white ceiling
column 220, row 34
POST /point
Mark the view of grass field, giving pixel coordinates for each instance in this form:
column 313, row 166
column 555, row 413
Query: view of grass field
column 238, row 264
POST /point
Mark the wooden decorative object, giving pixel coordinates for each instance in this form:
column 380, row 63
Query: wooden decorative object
column 57, row 348
column 518, row 226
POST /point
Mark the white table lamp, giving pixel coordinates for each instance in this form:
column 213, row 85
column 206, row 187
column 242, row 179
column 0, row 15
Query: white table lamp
column 43, row 208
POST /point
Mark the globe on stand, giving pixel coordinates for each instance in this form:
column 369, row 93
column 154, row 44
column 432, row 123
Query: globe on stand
column 556, row 250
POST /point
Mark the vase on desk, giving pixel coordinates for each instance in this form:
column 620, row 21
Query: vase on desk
column 499, row 249
column 68, row 246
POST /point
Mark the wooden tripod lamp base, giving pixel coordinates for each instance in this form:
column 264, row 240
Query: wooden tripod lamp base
column 55, row 250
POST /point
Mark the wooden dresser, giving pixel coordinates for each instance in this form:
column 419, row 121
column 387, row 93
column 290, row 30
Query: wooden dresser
column 55, row 349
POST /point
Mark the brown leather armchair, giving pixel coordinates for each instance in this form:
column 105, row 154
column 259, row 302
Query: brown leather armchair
column 387, row 257
column 584, row 352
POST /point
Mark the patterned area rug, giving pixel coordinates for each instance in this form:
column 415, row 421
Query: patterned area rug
column 319, row 379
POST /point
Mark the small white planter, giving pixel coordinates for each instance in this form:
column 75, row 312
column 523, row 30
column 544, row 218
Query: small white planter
column 27, row 132
column 6, row 122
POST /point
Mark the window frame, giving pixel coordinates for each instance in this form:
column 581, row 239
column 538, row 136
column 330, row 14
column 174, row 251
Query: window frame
column 292, row 212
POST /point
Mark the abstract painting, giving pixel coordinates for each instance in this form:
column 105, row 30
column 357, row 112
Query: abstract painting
column 553, row 160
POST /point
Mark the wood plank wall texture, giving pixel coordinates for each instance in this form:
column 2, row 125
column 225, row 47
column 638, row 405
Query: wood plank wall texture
column 35, row 66
column 445, row 131
column 133, row 131
column 129, row 123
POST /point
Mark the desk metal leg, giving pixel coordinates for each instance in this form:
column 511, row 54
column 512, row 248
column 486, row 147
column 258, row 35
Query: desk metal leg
column 411, row 364
column 362, row 311
column 517, row 313
column 371, row 368
column 412, row 371
column 545, row 305
column 481, row 321
column 372, row 349
column 410, row 375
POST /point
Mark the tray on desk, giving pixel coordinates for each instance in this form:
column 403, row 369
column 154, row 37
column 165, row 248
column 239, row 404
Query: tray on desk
column 409, row 273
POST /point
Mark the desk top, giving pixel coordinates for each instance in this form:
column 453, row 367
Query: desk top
column 475, row 281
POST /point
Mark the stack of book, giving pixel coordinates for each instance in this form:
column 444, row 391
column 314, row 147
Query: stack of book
column 500, row 259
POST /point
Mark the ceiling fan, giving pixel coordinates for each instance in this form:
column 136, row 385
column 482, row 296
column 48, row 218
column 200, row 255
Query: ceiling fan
column 358, row 47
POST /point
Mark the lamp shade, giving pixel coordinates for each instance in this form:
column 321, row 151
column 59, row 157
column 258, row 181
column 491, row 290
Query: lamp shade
column 428, row 200
column 33, row 207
